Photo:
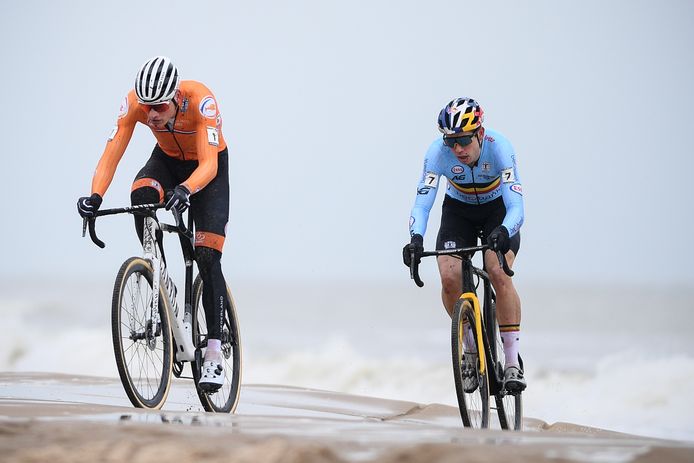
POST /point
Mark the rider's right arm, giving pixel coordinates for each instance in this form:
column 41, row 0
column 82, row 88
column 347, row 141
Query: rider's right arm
column 117, row 142
column 426, row 191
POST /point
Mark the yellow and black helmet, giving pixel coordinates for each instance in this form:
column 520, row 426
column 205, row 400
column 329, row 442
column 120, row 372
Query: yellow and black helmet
column 460, row 115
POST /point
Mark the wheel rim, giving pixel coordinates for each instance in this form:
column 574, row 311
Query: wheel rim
column 474, row 401
column 141, row 339
column 509, row 405
column 226, row 398
column 474, row 406
column 221, row 400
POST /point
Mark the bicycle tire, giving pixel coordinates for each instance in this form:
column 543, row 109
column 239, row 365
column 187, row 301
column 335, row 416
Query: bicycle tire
column 142, row 344
column 509, row 407
column 473, row 406
column 226, row 398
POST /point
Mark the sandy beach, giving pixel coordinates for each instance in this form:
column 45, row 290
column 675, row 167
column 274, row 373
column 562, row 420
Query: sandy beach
column 66, row 418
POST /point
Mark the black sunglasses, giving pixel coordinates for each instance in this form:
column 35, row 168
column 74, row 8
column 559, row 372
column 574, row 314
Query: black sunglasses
column 462, row 141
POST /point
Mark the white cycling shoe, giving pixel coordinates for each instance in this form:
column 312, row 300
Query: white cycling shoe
column 212, row 376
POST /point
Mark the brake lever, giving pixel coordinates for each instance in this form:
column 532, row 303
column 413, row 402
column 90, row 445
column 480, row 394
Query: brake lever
column 414, row 270
column 504, row 264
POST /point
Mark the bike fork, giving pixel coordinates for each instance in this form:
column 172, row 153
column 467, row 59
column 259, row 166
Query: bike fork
column 478, row 329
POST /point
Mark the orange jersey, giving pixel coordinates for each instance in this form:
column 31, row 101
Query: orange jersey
column 197, row 135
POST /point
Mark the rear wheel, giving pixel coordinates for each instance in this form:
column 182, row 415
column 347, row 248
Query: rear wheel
column 473, row 403
column 508, row 406
column 510, row 409
column 227, row 397
column 141, row 337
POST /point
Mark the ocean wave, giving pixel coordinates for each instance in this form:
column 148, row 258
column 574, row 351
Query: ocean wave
column 634, row 390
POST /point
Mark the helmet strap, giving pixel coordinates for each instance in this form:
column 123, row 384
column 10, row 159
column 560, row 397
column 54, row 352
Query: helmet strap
column 479, row 142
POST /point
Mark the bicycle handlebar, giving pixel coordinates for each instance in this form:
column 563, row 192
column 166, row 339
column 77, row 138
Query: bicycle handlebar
column 414, row 262
column 143, row 209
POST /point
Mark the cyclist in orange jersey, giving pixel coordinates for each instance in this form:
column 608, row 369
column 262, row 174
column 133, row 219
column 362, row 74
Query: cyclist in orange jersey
column 188, row 168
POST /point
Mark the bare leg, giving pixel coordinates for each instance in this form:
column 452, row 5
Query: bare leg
column 451, row 281
column 508, row 306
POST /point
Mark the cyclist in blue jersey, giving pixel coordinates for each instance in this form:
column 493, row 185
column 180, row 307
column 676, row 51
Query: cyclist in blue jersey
column 484, row 197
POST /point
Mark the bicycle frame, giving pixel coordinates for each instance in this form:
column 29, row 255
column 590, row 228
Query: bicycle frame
column 487, row 312
column 153, row 251
column 181, row 326
column 470, row 293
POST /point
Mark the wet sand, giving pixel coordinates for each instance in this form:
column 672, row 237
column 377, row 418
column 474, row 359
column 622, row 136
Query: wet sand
column 49, row 417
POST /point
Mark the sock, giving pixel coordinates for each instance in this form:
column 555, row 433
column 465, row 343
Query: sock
column 510, row 336
column 214, row 350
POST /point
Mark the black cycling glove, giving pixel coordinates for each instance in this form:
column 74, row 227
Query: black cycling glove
column 88, row 205
column 416, row 244
column 499, row 240
column 178, row 198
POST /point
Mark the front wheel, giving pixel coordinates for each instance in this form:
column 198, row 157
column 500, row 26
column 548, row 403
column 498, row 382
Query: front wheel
column 141, row 336
column 227, row 397
column 471, row 381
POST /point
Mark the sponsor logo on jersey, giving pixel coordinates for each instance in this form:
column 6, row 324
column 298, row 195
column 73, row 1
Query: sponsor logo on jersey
column 208, row 107
column 457, row 169
column 458, row 177
column 517, row 188
column 487, row 137
column 486, row 167
column 449, row 245
column 184, row 105
column 123, row 111
column 424, row 190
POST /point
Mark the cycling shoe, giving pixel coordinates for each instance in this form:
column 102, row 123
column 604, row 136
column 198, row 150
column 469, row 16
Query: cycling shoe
column 469, row 372
column 212, row 376
column 514, row 381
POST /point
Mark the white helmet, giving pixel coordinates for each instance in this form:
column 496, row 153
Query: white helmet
column 156, row 81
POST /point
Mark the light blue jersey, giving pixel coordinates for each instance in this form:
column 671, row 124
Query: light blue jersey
column 495, row 174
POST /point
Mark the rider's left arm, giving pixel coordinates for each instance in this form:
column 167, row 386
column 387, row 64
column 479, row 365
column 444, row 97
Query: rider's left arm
column 207, row 145
column 511, row 191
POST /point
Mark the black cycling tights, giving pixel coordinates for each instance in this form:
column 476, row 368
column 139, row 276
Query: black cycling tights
column 214, row 294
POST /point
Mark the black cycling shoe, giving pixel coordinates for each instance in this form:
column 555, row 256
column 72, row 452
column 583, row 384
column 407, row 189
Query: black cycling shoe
column 514, row 381
column 469, row 372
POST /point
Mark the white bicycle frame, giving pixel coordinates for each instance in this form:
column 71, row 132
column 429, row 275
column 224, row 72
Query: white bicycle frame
column 181, row 328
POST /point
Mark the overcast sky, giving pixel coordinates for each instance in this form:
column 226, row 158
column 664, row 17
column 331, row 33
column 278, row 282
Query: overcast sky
column 328, row 109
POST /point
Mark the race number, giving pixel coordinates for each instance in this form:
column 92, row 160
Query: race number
column 213, row 136
column 508, row 175
column 430, row 179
